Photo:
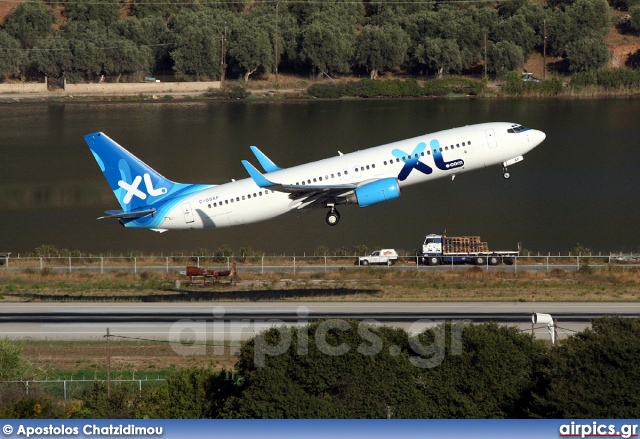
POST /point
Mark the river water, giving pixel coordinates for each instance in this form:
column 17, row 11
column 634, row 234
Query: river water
column 581, row 185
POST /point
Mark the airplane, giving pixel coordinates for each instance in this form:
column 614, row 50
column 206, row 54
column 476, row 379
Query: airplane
column 363, row 178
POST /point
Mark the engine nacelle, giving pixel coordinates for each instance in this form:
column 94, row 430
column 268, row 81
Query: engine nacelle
column 377, row 192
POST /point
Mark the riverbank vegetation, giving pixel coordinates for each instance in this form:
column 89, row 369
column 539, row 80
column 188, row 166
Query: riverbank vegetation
column 347, row 369
column 101, row 40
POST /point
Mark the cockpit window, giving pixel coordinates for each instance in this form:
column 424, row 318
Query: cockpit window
column 517, row 129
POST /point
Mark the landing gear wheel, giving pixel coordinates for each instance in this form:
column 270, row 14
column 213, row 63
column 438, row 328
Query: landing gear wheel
column 333, row 217
column 494, row 260
column 506, row 174
column 479, row 260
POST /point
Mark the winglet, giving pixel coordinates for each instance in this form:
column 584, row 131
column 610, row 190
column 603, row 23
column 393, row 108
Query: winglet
column 265, row 162
column 257, row 177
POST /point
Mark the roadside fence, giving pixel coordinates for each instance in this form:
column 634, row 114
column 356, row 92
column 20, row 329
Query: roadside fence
column 71, row 388
column 262, row 264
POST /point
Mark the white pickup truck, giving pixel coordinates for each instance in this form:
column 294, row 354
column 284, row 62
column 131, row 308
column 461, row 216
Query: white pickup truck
column 387, row 256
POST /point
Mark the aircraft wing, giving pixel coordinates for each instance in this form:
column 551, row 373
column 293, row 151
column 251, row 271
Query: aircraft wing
column 304, row 196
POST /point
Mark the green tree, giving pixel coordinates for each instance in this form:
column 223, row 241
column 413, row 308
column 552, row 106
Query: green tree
column 328, row 41
column 587, row 54
column 30, row 21
column 381, row 47
column 504, row 56
column 52, row 57
column 12, row 57
column 441, row 55
column 123, row 402
column 491, row 373
column 151, row 32
column 105, row 12
column 12, row 366
column 330, row 369
column 197, row 49
column 87, row 42
column 594, row 374
column 250, row 46
column 634, row 20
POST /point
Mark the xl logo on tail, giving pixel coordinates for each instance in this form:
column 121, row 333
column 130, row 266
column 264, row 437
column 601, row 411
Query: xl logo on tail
column 132, row 189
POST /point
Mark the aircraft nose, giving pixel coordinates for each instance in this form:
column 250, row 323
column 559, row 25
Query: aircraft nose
column 539, row 136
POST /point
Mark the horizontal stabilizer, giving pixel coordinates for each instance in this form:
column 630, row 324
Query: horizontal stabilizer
column 129, row 214
column 265, row 162
column 257, row 177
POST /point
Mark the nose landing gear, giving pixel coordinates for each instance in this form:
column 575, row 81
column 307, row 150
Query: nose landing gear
column 333, row 216
column 505, row 173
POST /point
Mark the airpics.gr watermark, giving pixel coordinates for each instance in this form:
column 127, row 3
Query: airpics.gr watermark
column 273, row 337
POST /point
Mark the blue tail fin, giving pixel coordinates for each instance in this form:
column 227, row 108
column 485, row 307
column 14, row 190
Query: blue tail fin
column 135, row 184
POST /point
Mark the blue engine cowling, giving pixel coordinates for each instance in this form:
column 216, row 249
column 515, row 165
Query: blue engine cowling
column 377, row 192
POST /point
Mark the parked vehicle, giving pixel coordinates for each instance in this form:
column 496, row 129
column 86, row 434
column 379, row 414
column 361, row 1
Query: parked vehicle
column 441, row 249
column 387, row 256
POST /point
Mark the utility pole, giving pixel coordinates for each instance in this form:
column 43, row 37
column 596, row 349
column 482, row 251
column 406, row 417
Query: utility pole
column 276, row 42
column 544, row 49
column 108, row 365
column 485, row 56
column 222, row 54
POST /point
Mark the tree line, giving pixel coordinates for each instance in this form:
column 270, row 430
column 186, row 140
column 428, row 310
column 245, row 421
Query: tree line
column 347, row 369
column 211, row 38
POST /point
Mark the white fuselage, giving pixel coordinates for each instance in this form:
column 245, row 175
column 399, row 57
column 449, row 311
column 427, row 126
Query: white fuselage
column 243, row 201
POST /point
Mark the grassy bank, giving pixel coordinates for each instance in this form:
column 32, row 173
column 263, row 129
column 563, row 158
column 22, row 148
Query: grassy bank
column 609, row 283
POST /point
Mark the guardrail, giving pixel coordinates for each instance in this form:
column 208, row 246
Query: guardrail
column 262, row 264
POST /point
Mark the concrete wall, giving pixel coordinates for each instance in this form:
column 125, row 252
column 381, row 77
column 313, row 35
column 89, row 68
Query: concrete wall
column 142, row 87
column 24, row 87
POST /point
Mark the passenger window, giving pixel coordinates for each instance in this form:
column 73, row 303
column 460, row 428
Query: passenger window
column 333, row 176
column 226, row 201
column 243, row 198
column 315, row 180
column 320, row 178
column 339, row 174
column 373, row 166
column 385, row 163
column 215, row 204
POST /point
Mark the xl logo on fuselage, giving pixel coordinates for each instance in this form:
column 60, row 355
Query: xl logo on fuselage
column 132, row 189
column 412, row 161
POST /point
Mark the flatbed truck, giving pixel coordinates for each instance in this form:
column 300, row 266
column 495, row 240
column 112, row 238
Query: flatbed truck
column 442, row 249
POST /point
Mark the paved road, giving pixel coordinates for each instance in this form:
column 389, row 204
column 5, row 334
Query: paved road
column 236, row 321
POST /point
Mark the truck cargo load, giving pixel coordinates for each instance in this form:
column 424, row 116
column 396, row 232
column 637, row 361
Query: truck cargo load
column 442, row 249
